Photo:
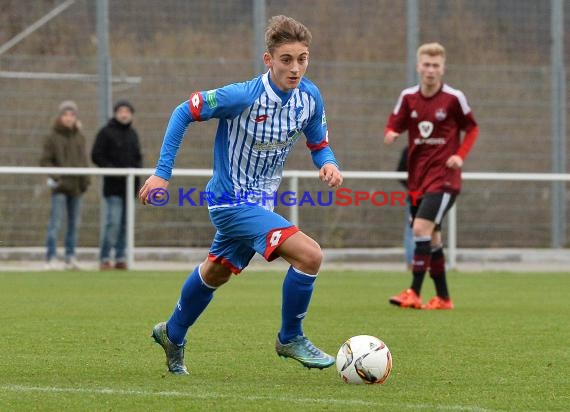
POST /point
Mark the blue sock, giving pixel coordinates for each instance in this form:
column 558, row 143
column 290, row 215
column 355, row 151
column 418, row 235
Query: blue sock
column 297, row 291
column 194, row 298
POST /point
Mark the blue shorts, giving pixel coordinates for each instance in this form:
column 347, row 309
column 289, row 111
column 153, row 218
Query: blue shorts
column 245, row 229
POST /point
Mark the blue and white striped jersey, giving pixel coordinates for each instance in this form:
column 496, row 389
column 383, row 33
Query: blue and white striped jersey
column 258, row 126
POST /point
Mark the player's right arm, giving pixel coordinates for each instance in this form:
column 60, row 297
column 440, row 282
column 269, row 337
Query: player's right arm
column 397, row 122
column 225, row 102
column 153, row 188
column 390, row 136
column 177, row 125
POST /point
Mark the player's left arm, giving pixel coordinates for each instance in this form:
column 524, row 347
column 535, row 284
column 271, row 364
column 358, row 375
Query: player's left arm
column 469, row 125
column 318, row 143
column 331, row 175
column 325, row 160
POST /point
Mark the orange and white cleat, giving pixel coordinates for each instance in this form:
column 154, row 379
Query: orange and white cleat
column 438, row 303
column 407, row 299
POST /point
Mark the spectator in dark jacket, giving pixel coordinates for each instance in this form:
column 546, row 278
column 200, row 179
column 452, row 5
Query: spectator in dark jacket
column 65, row 147
column 117, row 145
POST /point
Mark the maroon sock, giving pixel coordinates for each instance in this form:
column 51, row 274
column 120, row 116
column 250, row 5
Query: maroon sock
column 422, row 256
column 437, row 272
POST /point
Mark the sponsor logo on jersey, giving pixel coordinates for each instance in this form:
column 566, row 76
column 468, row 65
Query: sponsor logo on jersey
column 432, row 141
column 440, row 114
column 324, row 119
column 211, row 99
column 414, row 114
column 426, row 128
column 298, row 112
column 292, row 136
column 265, row 146
column 261, row 118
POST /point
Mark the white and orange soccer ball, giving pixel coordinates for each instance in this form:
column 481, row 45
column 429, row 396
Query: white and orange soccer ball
column 364, row 359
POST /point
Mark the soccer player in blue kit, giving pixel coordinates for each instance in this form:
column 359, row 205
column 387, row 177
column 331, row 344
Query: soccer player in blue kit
column 259, row 122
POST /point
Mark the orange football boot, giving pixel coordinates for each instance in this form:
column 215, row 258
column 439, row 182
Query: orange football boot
column 407, row 299
column 438, row 303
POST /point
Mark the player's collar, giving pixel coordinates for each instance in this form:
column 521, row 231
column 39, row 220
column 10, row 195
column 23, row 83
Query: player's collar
column 433, row 95
column 273, row 91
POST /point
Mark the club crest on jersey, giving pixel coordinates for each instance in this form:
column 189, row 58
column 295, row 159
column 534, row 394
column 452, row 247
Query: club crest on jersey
column 293, row 135
column 440, row 114
column 426, row 128
column 298, row 112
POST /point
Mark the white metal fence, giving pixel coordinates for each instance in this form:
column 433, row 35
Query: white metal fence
column 161, row 51
column 292, row 176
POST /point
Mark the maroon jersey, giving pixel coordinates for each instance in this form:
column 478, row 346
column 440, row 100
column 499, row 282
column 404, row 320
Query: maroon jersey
column 434, row 125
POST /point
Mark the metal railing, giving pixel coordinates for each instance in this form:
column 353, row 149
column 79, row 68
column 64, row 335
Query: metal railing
column 293, row 176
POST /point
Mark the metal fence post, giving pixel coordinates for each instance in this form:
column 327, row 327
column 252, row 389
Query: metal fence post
column 130, row 220
column 259, row 17
column 294, row 187
column 103, row 61
column 558, row 121
column 452, row 237
column 104, row 87
column 412, row 40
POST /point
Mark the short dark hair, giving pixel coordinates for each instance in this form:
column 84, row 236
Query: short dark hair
column 123, row 103
column 282, row 29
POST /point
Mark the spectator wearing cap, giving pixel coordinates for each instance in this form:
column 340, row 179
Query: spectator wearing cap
column 116, row 145
column 64, row 146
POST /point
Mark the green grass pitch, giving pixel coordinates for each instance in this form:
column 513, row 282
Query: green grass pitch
column 81, row 341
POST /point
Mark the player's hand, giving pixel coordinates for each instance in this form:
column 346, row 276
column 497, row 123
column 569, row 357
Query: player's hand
column 454, row 162
column 330, row 174
column 152, row 185
column 390, row 137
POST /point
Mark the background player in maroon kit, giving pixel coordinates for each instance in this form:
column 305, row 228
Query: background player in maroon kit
column 434, row 114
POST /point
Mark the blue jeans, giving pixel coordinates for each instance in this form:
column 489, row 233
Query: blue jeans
column 72, row 205
column 115, row 230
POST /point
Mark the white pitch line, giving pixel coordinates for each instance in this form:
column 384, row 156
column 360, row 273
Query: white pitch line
column 176, row 394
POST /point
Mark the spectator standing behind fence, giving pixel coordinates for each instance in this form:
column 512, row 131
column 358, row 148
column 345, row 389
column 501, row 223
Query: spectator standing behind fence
column 117, row 145
column 434, row 114
column 65, row 147
column 408, row 235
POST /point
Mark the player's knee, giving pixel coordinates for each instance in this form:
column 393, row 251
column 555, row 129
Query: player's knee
column 214, row 274
column 422, row 231
column 423, row 227
column 312, row 259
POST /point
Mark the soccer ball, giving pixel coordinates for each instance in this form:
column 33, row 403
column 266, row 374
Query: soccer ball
column 364, row 359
